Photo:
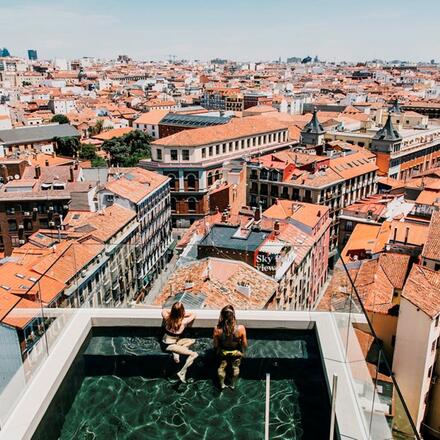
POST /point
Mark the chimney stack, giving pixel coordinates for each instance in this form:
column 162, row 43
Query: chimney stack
column 37, row 171
column 406, row 235
column 257, row 215
column 4, row 173
column 276, row 227
column 76, row 165
column 71, row 174
column 46, row 162
column 395, row 235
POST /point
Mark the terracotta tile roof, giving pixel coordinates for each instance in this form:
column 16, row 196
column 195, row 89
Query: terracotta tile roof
column 17, row 312
column 153, row 117
column 423, row 290
column 134, row 184
column 67, row 265
column 216, row 280
column 305, row 213
column 234, row 129
column 110, row 134
column 431, row 249
column 102, row 225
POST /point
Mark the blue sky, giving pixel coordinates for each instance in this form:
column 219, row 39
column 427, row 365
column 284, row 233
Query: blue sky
column 242, row 29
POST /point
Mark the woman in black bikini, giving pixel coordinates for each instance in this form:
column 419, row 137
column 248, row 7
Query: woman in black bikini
column 230, row 343
column 176, row 321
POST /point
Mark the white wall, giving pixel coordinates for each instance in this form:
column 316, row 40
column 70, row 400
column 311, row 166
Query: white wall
column 413, row 356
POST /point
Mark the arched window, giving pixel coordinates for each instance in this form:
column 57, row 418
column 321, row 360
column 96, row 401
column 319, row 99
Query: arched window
column 173, row 182
column 191, row 181
column 217, row 175
column 210, row 181
column 192, row 204
column 173, row 204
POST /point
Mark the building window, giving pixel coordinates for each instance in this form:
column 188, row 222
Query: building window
column 217, row 149
column 203, row 153
column 437, row 320
column 173, row 204
column 211, row 151
column 192, row 204
column 12, row 225
column 159, row 154
column 185, row 154
column 173, row 154
column 191, row 180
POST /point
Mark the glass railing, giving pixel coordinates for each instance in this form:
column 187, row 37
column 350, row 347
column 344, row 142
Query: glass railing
column 94, row 275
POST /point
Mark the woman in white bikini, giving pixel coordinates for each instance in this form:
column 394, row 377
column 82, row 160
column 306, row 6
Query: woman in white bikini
column 176, row 321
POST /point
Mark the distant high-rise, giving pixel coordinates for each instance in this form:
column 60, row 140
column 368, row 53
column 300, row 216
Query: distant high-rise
column 32, row 54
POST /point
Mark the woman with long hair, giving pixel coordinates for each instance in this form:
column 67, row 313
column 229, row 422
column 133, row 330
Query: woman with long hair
column 175, row 322
column 230, row 342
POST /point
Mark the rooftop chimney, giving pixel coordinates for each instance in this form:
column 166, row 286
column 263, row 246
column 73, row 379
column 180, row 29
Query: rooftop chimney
column 46, row 162
column 71, row 174
column 76, row 165
column 4, row 173
column 406, row 235
column 257, row 214
column 395, row 235
column 276, row 227
column 37, row 171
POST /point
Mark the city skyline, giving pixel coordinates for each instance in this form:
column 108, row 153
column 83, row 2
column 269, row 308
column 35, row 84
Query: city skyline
column 193, row 30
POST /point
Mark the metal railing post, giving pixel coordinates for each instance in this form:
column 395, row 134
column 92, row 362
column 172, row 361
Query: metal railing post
column 333, row 409
column 267, row 414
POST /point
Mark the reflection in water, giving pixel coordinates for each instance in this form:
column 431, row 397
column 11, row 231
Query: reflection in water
column 137, row 408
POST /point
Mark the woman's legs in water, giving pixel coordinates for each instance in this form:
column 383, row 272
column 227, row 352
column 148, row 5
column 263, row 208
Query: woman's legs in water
column 222, row 373
column 182, row 349
column 235, row 370
column 235, row 362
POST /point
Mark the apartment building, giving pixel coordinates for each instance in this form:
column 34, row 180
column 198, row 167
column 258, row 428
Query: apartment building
column 148, row 195
column 431, row 251
column 335, row 182
column 402, row 150
column 39, row 199
column 416, row 353
column 62, row 106
column 193, row 159
column 282, row 244
column 223, row 99
column 32, row 139
column 314, row 220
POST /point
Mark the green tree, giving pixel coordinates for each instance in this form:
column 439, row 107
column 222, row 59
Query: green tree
column 129, row 149
column 99, row 162
column 87, row 152
column 97, row 128
column 68, row 146
column 61, row 119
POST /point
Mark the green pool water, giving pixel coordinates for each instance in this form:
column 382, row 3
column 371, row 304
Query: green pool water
column 135, row 408
column 122, row 386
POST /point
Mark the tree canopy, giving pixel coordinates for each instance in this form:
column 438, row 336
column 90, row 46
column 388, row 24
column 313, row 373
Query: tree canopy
column 68, row 146
column 128, row 149
column 61, row 119
column 88, row 152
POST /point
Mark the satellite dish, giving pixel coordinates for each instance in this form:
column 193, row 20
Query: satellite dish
column 17, row 177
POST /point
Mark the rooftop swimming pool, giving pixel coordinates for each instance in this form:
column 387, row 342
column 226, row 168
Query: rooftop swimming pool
column 122, row 386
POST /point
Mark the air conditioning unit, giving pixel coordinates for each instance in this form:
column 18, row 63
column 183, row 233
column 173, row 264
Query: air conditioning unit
column 35, row 209
column 83, row 273
column 52, row 224
column 27, row 213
